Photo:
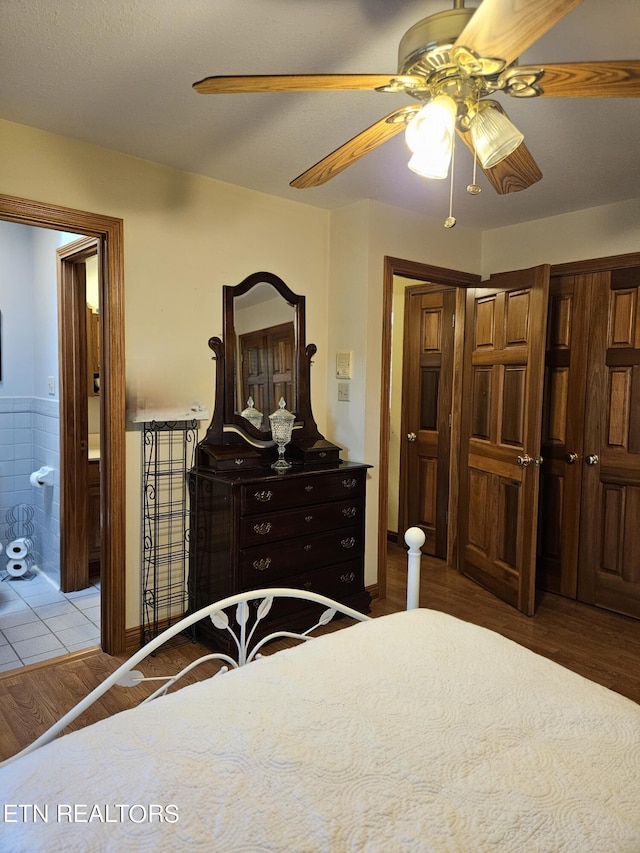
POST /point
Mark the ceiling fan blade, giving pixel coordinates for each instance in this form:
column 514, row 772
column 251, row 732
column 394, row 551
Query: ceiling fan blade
column 503, row 29
column 354, row 149
column 516, row 172
column 233, row 85
column 617, row 79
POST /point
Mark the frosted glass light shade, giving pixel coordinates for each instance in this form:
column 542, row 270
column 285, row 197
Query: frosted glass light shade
column 430, row 137
column 494, row 136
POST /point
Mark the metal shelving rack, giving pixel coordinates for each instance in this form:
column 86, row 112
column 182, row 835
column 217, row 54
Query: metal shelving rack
column 168, row 450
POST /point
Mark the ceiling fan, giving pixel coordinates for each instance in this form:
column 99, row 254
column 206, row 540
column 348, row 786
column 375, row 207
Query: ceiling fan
column 452, row 64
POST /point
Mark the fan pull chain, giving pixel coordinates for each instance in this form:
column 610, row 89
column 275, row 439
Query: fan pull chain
column 450, row 221
column 473, row 188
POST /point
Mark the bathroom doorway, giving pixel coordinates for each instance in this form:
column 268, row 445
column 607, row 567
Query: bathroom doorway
column 107, row 233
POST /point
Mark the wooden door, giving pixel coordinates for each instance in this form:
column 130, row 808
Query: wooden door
column 268, row 373
column 562, row 433
column 74, row 426
column 426, row 414
column 610, row 509
column 282, row 352
column 501, row 426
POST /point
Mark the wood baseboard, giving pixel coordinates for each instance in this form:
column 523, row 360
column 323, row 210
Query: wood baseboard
column 373, row 590
column 133, row 639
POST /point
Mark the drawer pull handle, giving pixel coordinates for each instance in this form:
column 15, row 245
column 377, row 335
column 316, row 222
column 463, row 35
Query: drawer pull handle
column 308, row 518
column 349, row 511
column 263, row 528
column 239, row 461
column 349, row 484
column 348, row 543
column 262, row 564
column 308, row 585
column 323, row 454
column 308, row 547
column 308, row 488
column 263, row 497
column 348, row 578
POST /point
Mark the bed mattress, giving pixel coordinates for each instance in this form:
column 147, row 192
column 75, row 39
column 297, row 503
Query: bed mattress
column 411, row 732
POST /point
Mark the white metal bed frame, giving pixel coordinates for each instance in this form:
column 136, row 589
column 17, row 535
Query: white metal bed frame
column 242, row 634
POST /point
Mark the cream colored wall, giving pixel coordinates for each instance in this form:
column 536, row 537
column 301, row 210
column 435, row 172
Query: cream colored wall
column 184, row 237
column 612, row 229
column 360, row 237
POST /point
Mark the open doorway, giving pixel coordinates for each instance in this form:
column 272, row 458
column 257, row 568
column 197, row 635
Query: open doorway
column 107, row 234
column 398, row 275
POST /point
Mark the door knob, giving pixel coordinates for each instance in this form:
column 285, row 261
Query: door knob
column 524, row 461
column 570, row 458
column 411, row 436
column 537, row 461
column 592, row 459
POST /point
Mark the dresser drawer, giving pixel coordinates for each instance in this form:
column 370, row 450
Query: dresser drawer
column 270, row 527
column 268, row 563
column 300, row 491
column 338, row 582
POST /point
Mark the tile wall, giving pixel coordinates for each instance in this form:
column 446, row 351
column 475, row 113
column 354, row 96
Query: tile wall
column 29, row 439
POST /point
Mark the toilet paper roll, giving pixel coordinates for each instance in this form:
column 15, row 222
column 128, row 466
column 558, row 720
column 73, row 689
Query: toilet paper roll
column 42, row 477
column 19, row 548
column 17, row 568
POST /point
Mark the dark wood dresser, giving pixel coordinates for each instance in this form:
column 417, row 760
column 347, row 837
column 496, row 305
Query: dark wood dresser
column 303, row 528
column 253, row 526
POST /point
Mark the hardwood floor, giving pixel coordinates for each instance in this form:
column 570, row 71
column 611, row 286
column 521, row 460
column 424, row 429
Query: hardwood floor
column 602, row 646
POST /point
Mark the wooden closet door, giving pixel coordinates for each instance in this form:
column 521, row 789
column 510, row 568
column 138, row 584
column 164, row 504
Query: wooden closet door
column 426, row 412
column 501, row 427
column 562, row 433
column 610, row 512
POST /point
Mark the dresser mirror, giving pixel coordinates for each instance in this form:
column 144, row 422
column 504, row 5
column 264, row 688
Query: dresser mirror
column 262, row 328
column 263, row 357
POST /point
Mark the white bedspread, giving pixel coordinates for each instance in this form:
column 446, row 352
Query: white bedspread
column 412, row 732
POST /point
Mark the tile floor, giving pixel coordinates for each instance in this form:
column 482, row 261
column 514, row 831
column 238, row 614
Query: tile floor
column 38, row 622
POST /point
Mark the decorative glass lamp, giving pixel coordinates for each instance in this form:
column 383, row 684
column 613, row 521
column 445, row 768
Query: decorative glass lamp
column 252, row 414
column 281, row 430
column 494, row 136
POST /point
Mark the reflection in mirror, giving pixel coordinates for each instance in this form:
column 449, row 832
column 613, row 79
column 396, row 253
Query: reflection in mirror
column 264, row 327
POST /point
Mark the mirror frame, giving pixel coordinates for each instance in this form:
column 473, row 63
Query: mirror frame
column 228, row 427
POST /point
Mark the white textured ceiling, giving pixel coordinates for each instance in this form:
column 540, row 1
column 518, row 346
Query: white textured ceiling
column 118, row 73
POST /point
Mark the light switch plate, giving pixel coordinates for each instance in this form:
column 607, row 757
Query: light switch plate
column 343, row 391
column 344, row 362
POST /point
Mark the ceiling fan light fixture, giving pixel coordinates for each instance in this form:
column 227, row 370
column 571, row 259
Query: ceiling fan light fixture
column 494, row 137
column 430, row 137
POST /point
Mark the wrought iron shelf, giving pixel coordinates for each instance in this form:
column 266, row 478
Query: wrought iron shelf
column 168, row 452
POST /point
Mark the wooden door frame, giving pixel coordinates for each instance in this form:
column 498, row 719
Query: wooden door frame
column 437, row 275
column 110, row 235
